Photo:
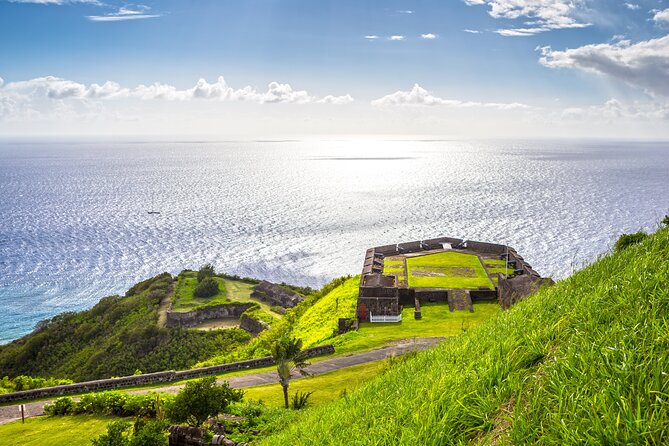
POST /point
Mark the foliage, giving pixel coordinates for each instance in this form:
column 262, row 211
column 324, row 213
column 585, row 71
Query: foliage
column 626, row 240
column 23, row 382
column 300, row 400
column 185, row 298
column 581, row 362
column 207, row 270
column 201, row 399
column 288, row 355
column 208, row 287
column 114, row 338
column 143, row 433
column 665, row 220
column 108, row 403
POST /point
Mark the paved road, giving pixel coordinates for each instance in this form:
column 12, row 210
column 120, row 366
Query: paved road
column 12, row 413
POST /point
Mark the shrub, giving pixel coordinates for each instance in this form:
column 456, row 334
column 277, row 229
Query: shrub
column 207, row 270
column 143, row 433
column 300, row 400
column 201, row 399
column 626, row 240
column 207, row 288
column 62, row 406
column 665, row 220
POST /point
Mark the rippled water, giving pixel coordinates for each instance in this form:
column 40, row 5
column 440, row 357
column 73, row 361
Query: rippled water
column 75, row 225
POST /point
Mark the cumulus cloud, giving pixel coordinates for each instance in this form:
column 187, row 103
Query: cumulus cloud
column 662, row 16
column 614, row 109
column 371, row 37
column 544, row 15
column 428, row 36
column 336, row 100
column 631, row 6
column 2, row 82
column 396, row 38
column 54, row 88
column 138, row 12
column 418, row 96
column 644, row 64
column 472, row 31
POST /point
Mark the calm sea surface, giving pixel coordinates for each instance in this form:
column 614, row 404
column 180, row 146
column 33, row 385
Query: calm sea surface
column 74, row 225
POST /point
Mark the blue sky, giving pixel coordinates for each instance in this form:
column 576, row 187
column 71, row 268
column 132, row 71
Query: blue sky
column 443, row 59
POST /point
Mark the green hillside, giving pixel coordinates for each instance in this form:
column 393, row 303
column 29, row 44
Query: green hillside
column 583, row 362
column 116, row 337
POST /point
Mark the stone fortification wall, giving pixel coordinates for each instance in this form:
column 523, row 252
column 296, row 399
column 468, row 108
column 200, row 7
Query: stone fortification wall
column 196, row 317
column 253, row 326
column 151, row 378
column 274, row 294
column 487, row 248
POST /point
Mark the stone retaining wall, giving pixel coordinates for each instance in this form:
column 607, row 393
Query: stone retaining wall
column 253, row 326
column 196, row 317
column 151, row 378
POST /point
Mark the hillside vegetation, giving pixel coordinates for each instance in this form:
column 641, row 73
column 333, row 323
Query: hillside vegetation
column 116, row 337
column 583, row 362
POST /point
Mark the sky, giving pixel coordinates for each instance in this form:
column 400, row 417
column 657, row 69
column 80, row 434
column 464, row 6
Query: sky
column 256, row 69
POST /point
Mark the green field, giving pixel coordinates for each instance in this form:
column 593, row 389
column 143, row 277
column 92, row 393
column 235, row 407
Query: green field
column 447, row 270
column 184, row 299
column 75, row 430
column 326, row 387
column 436, row 321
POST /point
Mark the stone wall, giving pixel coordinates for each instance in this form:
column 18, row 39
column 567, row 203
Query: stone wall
column 253, row 326
column 196, row 317
column 151, row 378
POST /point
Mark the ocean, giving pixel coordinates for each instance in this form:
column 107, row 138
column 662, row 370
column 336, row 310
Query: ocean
column 75, row 224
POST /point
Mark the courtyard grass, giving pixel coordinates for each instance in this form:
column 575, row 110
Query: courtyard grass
column 184, row 293
column 447, row 270
column 436, row 321
column 75, row 430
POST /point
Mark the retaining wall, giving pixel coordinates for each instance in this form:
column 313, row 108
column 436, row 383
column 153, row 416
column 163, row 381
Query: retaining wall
column 195, row 317
column 151, row 378
column 253, row 326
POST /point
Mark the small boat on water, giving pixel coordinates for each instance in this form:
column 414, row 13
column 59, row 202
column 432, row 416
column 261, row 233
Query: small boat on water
column 153, row 212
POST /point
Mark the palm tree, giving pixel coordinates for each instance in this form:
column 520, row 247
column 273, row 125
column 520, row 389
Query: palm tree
column 288, row 355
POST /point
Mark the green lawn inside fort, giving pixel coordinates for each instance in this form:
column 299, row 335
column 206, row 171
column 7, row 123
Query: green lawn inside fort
column 447, row 270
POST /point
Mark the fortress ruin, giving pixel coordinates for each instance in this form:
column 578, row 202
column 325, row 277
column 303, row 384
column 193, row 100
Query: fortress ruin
column 458, row 272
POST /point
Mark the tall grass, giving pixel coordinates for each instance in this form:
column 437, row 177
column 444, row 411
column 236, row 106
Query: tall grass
column 583, row 362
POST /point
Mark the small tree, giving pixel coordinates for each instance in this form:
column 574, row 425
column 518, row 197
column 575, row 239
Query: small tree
column 200, row 400
column 207, row 288
column 665, row 220
column 207, row 270
column 626, row 240
column 288, row 355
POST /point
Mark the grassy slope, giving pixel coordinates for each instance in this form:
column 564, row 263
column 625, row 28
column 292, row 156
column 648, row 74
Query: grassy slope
column 76, row 430
column 116, row 337
column 583, row 362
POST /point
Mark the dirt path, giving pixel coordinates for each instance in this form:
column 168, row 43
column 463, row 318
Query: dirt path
column 12, row 413
column 165, row 304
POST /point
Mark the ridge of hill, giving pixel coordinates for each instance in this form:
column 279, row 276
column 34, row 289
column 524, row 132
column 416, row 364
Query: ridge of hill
column 583, row 362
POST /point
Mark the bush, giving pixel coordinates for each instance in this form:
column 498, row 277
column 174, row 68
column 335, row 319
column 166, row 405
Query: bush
column 201, row 399
column 62, row 406
column 207, row 288
column 626, row 240
column 300, row 400
column 207, row 270
column 665, row 220
column 143, row 433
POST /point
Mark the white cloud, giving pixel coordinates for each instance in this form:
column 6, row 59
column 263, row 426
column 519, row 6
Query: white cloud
column 418, row 96
column 472, row 31
column 336, row 100
column 371, row 37
column 2, row 82
column 396, row 38
column 613, row 109
column 406, row 11
column 277, row 92
column 631, row 6
column 662, row 16
column 644, row 64
column 545, row 15
column 428, row 36
column 124, row 13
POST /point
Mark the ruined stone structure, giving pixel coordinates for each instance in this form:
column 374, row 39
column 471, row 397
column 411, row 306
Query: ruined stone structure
column 383, row 294
column 277, row 295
